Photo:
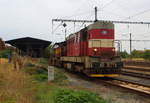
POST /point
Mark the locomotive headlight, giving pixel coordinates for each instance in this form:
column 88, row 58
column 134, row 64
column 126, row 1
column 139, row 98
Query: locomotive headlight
column 95, row 50
column 113, row 49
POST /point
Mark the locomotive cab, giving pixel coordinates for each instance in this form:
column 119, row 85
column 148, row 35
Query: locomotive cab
column 104, row 59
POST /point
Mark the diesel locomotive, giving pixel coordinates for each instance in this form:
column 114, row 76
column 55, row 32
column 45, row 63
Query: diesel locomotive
column 90, row 51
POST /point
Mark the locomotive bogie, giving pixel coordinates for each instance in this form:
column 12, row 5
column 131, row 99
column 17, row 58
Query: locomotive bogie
column 93, row 66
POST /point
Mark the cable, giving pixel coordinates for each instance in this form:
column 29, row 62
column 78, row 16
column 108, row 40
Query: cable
column 75, row 15
column 115, row 14
column 137, row 14
column 108, row 4
column 57, row 27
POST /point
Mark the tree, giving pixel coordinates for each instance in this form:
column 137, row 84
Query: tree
column 137, row 54
column 146, row 55
column 48, row 51
column 124, row 54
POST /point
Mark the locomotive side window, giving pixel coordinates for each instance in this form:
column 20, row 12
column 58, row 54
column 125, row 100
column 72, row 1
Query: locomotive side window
column 84, row 34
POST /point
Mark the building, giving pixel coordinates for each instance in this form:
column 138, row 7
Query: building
column 30, row 46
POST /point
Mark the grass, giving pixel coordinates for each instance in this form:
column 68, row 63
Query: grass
column 45, row 93
column 15, row 86
column 60, row 77
column 29, row 85
column 135, row 59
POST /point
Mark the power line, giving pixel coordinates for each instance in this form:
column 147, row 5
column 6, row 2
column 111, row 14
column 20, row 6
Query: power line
column 79, row 14
column 132, row 40
column 56, row 27
column 91, row 21
column 107, row 4
column 137, row 14
column 114, row 14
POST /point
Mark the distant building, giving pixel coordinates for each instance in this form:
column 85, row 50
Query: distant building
column 30, row 46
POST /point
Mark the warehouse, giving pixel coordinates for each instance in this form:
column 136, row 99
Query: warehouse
column 30, row 46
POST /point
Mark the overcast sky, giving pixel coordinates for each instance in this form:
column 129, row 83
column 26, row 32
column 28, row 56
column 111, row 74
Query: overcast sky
column 32, row 18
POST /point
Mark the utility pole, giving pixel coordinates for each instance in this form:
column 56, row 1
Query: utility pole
column 65, row 29
column 95, row 14
column 65, row 33
column 130, row 43
column 74, row 26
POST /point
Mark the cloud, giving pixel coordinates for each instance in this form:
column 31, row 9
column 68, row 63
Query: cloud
column 20, row 18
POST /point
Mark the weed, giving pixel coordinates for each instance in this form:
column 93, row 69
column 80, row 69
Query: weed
column 59, row 77
column 73, row 96
column 15, row 86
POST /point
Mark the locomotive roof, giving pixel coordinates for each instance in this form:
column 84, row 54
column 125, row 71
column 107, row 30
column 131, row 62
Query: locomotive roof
column 95, row 25
column 101, row 25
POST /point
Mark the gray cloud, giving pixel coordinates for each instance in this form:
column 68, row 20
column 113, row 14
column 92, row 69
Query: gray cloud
column 20, row 18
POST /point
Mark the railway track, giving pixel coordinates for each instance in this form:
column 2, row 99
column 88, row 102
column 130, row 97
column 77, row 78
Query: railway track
column 142, row 72
column 132, row 87
column 129, row 85
column 134, row 74
column 137, row 68
column 143, row 82
column 137, row 86
column 124, row 84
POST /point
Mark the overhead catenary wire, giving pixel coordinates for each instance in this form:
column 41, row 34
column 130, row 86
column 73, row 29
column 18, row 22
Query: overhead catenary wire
column 120, row 16
column 137, row 14
column 136, row 40
column 78, row 14
column 107, row 4
column 56, row 27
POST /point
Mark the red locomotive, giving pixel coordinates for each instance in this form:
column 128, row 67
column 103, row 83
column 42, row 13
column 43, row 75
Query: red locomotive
column 91, row 51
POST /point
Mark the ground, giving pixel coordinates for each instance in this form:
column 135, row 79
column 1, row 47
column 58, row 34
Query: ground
column 112, row 94
column 29, row 85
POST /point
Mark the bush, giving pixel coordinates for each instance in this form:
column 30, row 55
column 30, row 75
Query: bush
column 48, row 52
column 146, row 55
column 39, row 74
column 40, row 77
column 5, row 53
column 137, row 54
column 73, row 96
column 124, row 54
